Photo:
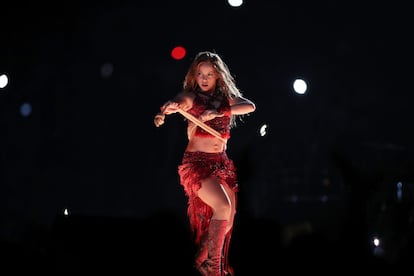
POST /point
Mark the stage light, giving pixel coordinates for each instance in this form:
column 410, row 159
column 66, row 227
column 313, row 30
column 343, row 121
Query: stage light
column 178, row 53
column 376, row 241
column 300, row 86
column 65, row 212
column 25, row 109
column 4, row 80
column 263, row 131
column 235, row 3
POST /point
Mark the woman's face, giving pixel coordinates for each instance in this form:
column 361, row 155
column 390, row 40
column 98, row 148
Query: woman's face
column 206, row 77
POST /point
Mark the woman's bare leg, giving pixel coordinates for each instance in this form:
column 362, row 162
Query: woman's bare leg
column 215, row 195
column 232, row 196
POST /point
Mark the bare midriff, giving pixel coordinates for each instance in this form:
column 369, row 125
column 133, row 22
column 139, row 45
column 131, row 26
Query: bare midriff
column 205, row 144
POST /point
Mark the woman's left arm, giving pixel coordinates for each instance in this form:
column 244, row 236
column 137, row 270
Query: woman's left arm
column 241, row 105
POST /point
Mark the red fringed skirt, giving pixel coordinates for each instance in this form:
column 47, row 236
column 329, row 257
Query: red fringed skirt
column 195, row 167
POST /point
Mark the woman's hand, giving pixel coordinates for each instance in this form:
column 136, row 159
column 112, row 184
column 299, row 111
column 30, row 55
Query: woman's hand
column 210, row 115
column 159, row 119
column 170, row 108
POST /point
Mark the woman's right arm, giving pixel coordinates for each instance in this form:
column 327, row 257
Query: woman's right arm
column 181, row 101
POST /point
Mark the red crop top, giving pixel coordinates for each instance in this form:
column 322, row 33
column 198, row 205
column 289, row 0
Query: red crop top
column 220, row 124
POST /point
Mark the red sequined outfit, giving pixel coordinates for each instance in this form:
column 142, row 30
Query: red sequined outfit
column 195, row 167
column 203, row 102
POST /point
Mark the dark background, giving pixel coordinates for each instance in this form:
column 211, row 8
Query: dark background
column 313, row 191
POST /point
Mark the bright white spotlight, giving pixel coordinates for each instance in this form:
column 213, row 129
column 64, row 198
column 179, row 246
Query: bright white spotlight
column 376, row 241
column 66, row 212
column 4, row 80
column 300, row 86
column 377, row 250
column 262, row 130
column 235, row 3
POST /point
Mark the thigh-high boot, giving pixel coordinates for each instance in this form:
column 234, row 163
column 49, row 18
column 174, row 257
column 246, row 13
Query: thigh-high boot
column 202, row 252
column 215, row 242
column 227, row 268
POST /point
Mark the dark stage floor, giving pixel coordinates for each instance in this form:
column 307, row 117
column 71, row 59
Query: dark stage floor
column 161, row 246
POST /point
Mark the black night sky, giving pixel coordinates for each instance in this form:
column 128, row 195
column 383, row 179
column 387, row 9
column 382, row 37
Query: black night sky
column 326, row 174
